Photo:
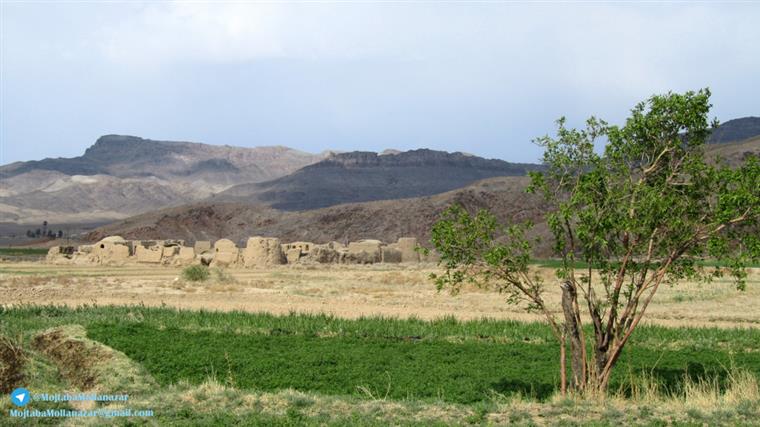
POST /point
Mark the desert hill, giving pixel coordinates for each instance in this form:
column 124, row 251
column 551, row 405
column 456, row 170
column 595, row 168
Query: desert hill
column 222, row 191
column 384, row 219
column 367, row 176
column 734, row 153
column 736, row 130
column 120, row 176
column 132, row 157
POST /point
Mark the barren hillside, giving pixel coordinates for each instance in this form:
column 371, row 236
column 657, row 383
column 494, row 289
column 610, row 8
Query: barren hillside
column 734, row 153
column 736, row 130
column 120, row 176
column 386, row 220
column 317, row 197
column 366, row 176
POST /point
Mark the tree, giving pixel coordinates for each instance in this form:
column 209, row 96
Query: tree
column 59, row 234
column 644, row 212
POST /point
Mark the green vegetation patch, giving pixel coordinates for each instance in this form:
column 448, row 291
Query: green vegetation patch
column 377, row 358
column 396, row 368
column 557, row 263
column 19, row 320
column 196, row 273
column 23, row 251
column 25, row 320
column 89, row 365
column 375, row 367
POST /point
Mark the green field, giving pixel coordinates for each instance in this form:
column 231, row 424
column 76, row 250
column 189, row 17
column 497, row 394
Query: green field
column 23, row 251
column 466, row 364
column 457, row 361
column 464, row 372
column 557, row 263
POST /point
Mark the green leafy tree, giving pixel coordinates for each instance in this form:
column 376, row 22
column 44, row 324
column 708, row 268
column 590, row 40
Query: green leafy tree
column 643, row 212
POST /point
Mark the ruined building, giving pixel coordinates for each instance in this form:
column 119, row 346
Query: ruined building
column 259, row 252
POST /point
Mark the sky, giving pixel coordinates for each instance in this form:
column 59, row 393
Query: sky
column 479, row 77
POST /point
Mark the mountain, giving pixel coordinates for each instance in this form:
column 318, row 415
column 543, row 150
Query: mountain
column 366, row 176
column 120, row 176
column 734, row 153
column 387, row 219
column 736, row 130
column 132, row 157
column 207, row 192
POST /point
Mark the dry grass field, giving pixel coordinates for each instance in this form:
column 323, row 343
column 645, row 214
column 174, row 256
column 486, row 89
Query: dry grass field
column 349, row 291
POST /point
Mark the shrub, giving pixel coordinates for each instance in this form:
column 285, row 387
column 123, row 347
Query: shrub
column 195, row 273
column 221, row 276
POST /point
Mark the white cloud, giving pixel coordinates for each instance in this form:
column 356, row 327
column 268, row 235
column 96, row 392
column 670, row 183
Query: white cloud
column 165, row 33
column 240, row 32
column 606, row 46
column 437, row 69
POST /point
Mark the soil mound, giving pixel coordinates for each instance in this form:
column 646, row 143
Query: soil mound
column 12, row 361
column 89, row 365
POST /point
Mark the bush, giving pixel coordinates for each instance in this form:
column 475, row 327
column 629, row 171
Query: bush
column 221, row 276
column 195, row 273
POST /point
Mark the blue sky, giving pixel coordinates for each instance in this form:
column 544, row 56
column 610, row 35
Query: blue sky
column 479, row 77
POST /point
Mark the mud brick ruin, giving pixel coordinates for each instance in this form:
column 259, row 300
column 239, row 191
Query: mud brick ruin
column 259, row 252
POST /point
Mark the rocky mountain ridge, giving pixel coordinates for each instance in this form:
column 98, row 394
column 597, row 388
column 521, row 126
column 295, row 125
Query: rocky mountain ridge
column 386, row 220
column 736, row 130
column 367, row 176
column 120, row 176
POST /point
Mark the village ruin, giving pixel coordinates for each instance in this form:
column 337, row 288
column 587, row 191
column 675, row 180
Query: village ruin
column 258, row 252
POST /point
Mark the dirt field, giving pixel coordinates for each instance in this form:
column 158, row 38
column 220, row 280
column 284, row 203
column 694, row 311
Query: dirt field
column 346, row 291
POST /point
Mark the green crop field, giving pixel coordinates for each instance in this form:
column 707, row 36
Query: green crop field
column 23, row 251
column 460, row 372
column 463, row 364
column 557, row 263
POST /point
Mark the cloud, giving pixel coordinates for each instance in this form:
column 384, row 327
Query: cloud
column 610, row 47
column 339, row 73
column 243, row 32
column 169, row 32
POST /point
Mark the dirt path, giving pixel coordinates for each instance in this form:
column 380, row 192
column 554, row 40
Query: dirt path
column 346, row 291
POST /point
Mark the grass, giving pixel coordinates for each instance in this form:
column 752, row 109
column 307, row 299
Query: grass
column 12, row 361
column 395, row 367
column 557, row 263
column 215, row 368
column 23, row 251
column 221, row 276
column 447, row 360
column 196, row 273
column 88, row 364
column 33, row 317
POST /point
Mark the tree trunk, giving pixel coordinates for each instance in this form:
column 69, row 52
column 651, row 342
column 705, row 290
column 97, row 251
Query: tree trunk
column 611, row 360
column 602, row 356
column 572, row 328
column 562, row 366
